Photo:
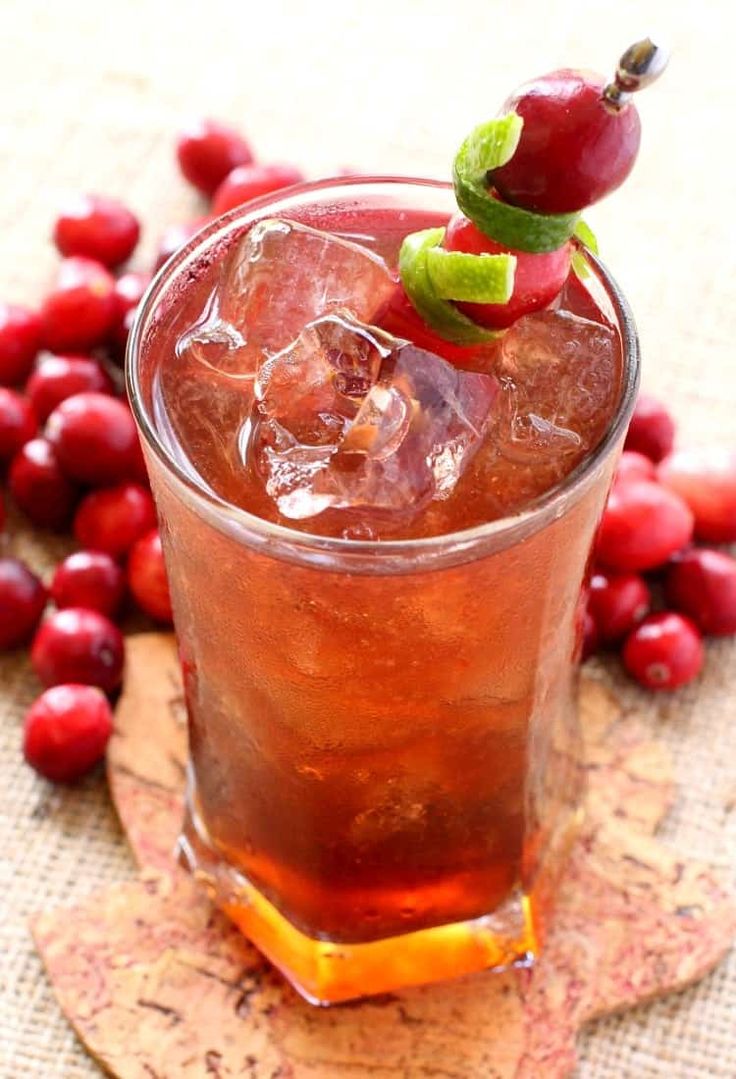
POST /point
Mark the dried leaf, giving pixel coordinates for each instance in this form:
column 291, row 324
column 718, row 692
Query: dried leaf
column 147, row 754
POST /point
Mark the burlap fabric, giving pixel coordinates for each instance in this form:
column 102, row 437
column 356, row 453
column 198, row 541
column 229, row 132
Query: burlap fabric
column 91, row 97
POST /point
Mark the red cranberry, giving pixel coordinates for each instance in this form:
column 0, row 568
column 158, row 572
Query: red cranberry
column 664, row 651
column 617, row 603
column 591, row 637
column 112, row 519
column 95, row 439
column 702, row 584
column 77, row 645
column 207, row 151
column 20, row 340
column 79, row 312
column 250, row 182
column 174, row 237
column 634, row 466
column 66, row 731
column 59, row 377
column 2, row 512
column 129, row 289
column 39, row 486
column 17, row 422
column 652, row 429
column 89, row 579
column 22, row 600
column 147, row 577
column 705, row 477
column 97, row 227
column 643, row 526
column 591, row 153
column 537, row 279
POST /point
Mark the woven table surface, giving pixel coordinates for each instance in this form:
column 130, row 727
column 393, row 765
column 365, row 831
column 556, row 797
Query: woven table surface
column 91, row 98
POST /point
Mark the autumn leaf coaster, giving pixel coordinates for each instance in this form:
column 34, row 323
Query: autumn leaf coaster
column 158, row 983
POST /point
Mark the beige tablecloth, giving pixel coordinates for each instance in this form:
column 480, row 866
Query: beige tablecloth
column 91, row 97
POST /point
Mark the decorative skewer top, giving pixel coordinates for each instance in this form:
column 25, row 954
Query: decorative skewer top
column 640, row 65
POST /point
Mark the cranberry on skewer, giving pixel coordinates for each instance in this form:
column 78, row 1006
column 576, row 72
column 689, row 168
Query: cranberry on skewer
column 580, row 136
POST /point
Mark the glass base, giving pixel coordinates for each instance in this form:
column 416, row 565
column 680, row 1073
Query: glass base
column 327, row 972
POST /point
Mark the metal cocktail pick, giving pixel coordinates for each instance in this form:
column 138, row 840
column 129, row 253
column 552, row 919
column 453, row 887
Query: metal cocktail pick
column 639, row 66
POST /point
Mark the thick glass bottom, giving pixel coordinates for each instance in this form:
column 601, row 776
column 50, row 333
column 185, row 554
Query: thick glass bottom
column 327, row 972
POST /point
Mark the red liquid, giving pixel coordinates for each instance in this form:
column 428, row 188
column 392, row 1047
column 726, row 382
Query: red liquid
column 377, row 753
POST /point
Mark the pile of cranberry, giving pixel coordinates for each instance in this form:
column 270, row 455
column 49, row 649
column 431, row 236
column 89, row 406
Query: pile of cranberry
column 663, row 501
column 70, row 454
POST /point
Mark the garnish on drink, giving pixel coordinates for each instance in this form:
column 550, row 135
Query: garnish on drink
column 563, row 142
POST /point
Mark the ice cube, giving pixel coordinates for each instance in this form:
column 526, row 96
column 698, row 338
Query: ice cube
column 413, row 437
column 307, row 396
column 214, row 343
column 321, row 377
column 560, row 376
column 352, row 419
column 527, row 437
column 283, row 276
column 279, row 278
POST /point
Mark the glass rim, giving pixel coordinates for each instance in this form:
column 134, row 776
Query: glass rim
column 292, row 543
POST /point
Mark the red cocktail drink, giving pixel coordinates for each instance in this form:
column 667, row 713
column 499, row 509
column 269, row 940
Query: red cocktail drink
column 376, row 545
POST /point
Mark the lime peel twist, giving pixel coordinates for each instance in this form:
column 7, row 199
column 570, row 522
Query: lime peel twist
column 433, row 277
column 489, row 147
column 437, row 312
column 458, row 275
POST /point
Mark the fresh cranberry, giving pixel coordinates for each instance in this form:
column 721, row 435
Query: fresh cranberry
column 97, row 227
column 113, row 518
column 22, row 600
column 39, row 487
column 77, row 645
column 537, row 279
column 147, row 577
column 705, row 477
column 129, row 289
column 59, row 377
column 2, row 512
column 18, row 422
column 89, row 579
column 643, row 526
column 634, row 466
column 95, row 438
column 652, row 429
column 664, row 651
column 617, row 603
column 79, row 312
column 702, row 584
column 591, row 637
column 207, row 151
column 20, row 340
column 66, row 731
column 174, row 237
column 573, row 149
column 250, row 182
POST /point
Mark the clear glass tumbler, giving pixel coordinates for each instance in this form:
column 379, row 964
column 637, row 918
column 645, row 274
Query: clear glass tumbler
column 385, row 772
